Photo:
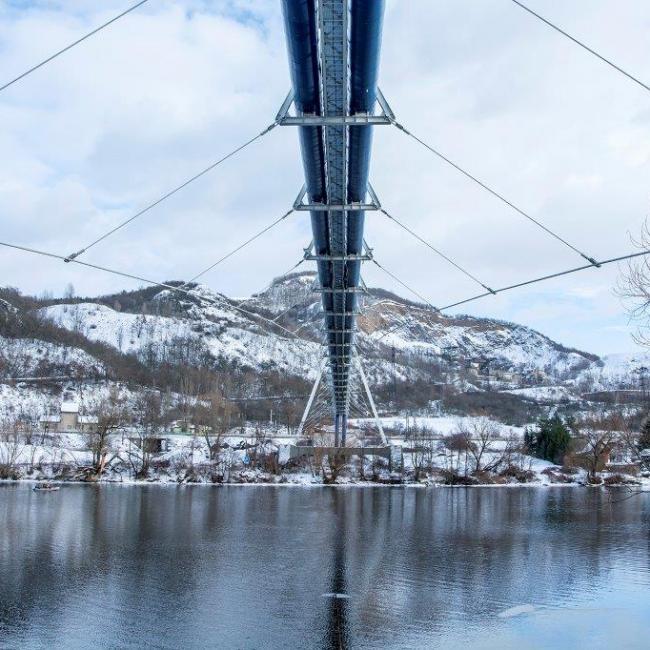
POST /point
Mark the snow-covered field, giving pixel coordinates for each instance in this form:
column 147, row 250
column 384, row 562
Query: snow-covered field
column 442, row 425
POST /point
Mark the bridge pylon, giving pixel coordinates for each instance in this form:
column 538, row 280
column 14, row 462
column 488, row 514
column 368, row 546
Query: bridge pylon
column 321, row 416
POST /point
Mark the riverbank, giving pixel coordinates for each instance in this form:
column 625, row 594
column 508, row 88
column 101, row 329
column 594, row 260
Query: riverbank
column 243, row 460
column 252, row 479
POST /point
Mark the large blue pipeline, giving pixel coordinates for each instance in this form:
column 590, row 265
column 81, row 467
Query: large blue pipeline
column 336, row 233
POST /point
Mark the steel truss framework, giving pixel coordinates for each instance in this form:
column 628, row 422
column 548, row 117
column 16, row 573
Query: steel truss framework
column 333, row 50
column 364, row 402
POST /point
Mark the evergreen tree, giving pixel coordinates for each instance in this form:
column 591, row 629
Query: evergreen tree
column 551, row 440
column 644, row 438
column 529, row 441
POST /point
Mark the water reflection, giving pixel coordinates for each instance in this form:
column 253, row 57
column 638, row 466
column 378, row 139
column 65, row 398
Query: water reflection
column 248, row 567
column 337, row 609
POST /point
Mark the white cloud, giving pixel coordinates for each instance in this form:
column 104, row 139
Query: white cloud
column 116, row 122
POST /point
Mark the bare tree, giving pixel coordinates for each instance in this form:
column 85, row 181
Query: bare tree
column 68, row 293
column 600, row 437
column 214, row 419
column 480, row 436
column 422, row 449
column 454, row 447
column 11, row 448
column 634, row 287
column 628, row 437
column 111, row 417
column 149, row 421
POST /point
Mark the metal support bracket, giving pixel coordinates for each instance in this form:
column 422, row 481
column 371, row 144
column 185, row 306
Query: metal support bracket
column 344, row 290
column 338, row 258
column 385, row 106
column 284, row 118
column 300, row 206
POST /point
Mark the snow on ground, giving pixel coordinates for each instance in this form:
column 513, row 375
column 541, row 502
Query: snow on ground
column 616, row 371
column 443, row 425
column 186, row 458
column 16, row 401
column 552, row 394
column 221, row 331
column 29, row 357
column 32, row 401
column 122, row 330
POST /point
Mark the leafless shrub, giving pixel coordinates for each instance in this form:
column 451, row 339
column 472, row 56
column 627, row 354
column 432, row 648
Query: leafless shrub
column 11, row 447
column 480, row 436
column 598, row 438
column 422, row 450
column 634, row 287
column 112, row 416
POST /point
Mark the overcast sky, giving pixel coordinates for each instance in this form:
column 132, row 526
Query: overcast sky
column 111, row 125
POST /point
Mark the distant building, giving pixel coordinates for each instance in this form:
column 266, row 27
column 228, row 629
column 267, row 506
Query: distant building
column 182, row 426
column 508, row 376
column 68, row 419
column 481, row 370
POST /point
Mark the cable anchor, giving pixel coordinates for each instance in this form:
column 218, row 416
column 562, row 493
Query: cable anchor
column 73, row 256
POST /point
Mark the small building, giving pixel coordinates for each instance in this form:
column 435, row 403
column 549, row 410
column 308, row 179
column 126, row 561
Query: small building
column 68, row 419
column 188, row 428
column 151, row 444
column 508, row 376
column 50, row 423
column 181, row 426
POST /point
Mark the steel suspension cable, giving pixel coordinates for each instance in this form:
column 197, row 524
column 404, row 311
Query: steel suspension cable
column 434, row 249
column 494, row 193
column 209, row 168
column 268, row 286
column 69, row 47
column 242, row 245
column 548, row 277
column 163, row 285
column 279, row 277
column 582, row 45
column 525, row 283
column 406, row 286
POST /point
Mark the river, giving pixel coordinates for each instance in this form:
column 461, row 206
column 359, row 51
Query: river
column 113, row 566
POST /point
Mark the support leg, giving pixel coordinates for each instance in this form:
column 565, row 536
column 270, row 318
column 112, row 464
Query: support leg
column 310, row 401
column 371, row 401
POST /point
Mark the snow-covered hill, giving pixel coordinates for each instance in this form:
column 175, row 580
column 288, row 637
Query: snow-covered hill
column 277, row 331
column 622, row 370
column 395, row 335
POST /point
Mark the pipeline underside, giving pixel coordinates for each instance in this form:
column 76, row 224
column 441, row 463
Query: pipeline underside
column 334, row 55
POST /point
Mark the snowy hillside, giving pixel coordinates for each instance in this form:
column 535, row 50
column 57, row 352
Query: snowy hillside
column 389, row 324
column 396, row 337
column 223, row 333
column 623, row 370
column 33, row 358
column 135, row 336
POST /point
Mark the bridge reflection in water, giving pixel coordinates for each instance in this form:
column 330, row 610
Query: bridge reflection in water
column 248, row 567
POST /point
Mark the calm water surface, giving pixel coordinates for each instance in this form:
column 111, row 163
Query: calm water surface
column 257, row 567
